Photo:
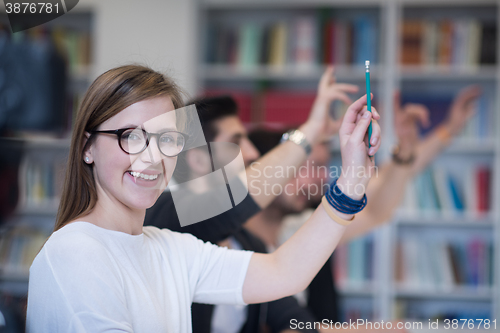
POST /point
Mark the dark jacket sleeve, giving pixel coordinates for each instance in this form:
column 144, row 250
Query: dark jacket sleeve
column 215, row 229
column 282, row 312
column 323, row 297
column 278, row 314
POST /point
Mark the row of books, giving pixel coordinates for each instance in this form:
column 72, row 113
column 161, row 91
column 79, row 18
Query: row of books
column 437, row 190
column 418, row 311
column 73, row 45
column 18, row 248
column 441, row 265
column 287, row 108
column 303, row 42
column 353, row 262
column 41, row 183
column 461, row 42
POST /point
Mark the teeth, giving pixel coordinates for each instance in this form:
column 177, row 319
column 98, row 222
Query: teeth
column 143, row 176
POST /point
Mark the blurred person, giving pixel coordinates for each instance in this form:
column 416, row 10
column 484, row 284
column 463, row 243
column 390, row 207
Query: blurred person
column 102, row 270
column 220, row 123
column 384, row 192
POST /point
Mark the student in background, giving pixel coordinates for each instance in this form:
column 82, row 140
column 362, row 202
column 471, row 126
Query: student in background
column 384, row 192
column 220, row 123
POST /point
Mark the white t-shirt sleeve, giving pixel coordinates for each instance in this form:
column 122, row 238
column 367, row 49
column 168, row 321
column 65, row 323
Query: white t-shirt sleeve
column 75, row 290
column 216, row 273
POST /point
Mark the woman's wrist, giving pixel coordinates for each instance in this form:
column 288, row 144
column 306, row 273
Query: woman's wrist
column 343, row 200
column 353, row 188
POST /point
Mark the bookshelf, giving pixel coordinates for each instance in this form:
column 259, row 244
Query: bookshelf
column 41, row 168
column 437, row 74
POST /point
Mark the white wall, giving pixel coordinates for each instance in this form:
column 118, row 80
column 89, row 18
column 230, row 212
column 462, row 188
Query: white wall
column 158, row 33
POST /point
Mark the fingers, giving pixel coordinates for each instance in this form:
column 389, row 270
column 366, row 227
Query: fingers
column 338, row 95
column 418, row 112
column 361, row 128
column 375, row 138
column 327, row 76
column 349, row 88
column 467, row 95
column 375, row 113
column 353, row 110
column 339, row 91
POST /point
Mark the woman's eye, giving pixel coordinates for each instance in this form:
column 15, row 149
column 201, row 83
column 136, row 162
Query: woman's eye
column 131, row 136
column 167, row 139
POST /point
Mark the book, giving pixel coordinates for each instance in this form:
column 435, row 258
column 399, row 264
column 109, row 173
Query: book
column 440, row 264
column 278, row 45
column 412, row 33
column 304, row 52
column 249, row 45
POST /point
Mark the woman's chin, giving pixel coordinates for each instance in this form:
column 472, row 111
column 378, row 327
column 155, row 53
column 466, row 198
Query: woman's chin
column 144, row 199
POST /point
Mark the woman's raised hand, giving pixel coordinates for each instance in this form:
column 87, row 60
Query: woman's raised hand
column 357, row 158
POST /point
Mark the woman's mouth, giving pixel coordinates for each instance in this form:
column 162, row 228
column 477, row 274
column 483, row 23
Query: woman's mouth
column 140, row 175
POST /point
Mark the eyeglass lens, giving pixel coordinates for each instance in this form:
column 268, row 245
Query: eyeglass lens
column 134, row 141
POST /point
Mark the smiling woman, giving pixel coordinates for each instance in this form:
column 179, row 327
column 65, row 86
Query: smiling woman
column 102, row 271
column 111, row 93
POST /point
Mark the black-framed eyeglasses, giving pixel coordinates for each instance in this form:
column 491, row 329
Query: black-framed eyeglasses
column 135, row 140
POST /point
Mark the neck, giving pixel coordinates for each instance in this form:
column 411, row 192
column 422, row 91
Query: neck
column 115, row 216
column 266, row 225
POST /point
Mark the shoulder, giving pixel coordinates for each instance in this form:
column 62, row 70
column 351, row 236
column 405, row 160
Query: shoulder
column 74, row 236
column 73, row 248
column 171, row 238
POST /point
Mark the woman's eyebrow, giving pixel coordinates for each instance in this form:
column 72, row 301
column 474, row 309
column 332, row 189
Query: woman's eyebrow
column 131, row 126
column 165, row 129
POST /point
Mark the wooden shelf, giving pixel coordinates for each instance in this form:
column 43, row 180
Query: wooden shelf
column 288, row 72
column 439, row 220
column 263, row 4
column 473, row 146
column 448, row 73
column 457, row 293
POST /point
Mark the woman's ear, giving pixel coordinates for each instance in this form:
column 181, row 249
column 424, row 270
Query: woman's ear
column 87, row 154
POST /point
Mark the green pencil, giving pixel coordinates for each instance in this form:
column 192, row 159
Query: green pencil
column 368, row 97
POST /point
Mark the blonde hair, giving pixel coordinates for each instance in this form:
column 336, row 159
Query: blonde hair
column 109, row 94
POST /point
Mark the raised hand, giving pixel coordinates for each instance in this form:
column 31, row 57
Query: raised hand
column 406, row 120
column 462, row 109
column 329, row 91
column 357, row 161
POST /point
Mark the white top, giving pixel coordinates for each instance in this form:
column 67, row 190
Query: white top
column 90, row 279
column 229, row 318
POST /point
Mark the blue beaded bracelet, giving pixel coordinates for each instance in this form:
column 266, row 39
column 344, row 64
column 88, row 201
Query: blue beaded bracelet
column 342, row 202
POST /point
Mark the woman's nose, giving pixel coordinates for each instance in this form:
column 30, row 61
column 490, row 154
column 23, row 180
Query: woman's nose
column 152, row 153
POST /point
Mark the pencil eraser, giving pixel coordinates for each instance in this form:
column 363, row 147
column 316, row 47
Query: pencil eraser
column 367, row 63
